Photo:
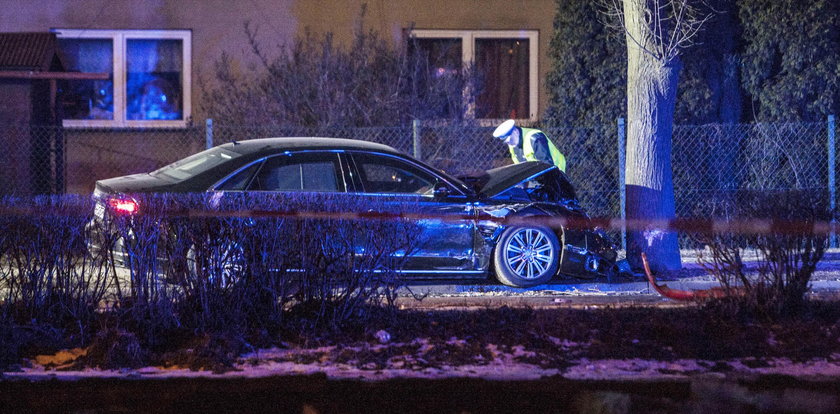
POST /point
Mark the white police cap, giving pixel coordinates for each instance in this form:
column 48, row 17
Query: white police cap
column 504, row 129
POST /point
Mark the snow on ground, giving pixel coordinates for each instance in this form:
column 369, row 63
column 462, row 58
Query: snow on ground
column 503, row 366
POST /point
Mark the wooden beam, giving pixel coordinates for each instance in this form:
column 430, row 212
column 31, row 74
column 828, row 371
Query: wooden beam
column 28, row 74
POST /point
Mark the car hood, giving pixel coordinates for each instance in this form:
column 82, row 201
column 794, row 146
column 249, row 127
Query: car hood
column 498, row 180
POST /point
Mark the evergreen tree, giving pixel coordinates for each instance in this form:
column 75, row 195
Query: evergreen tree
column 791, row 65
column 586, row 88
column 588, row 79
column 710, row 90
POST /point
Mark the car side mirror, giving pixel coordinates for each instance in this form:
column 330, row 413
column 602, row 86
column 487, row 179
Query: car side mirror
column 441, row 190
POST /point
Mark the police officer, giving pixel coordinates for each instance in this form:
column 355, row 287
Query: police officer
column 528, row 144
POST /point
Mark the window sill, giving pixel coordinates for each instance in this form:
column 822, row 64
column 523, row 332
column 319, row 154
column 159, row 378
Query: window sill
column 106, row 124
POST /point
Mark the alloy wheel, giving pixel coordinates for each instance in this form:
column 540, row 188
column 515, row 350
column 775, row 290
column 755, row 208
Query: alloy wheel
column 529, row 253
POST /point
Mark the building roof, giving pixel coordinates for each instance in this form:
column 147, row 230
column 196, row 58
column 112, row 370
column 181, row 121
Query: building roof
column 27, row 51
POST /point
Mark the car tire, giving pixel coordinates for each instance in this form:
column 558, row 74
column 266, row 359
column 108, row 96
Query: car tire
column 223, row 266
column 526, row 256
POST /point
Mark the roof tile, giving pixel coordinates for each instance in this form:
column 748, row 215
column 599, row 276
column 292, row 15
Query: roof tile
column 26, row 51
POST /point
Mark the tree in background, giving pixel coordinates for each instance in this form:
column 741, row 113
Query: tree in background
column 710, row 90
column 586, row 89
column 710, row 93
column 791, row 65
column 587, row 83
column 657, row 32
column 788, row 71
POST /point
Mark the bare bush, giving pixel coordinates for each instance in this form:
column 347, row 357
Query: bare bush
column 236, row 266
column 785, row 259
column 46, row 271
column 347, row 264
column 50, row 286
column 315, row 82
column 223, row 269
column 143, row 302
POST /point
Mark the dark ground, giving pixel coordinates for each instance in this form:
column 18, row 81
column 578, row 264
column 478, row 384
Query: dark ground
column 709, row 333
column 317, row 394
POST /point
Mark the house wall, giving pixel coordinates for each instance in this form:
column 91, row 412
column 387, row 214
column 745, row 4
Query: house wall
column 15, row 107
column 391, row 17
column 218, row 25
column 96, row 154
column 16, row 104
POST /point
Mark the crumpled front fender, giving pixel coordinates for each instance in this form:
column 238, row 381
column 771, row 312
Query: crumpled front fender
column 586, row 252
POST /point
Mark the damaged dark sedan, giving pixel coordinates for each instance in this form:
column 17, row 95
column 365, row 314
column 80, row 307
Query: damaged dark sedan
column 479, row 241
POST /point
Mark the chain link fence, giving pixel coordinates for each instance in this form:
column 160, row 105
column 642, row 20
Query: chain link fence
column 708, row 160
column 54, row 160
column 717, row 160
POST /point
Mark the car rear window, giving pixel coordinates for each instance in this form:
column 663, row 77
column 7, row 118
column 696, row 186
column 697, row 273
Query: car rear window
column 196, row 164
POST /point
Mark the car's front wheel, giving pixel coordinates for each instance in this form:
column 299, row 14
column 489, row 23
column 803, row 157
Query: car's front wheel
column 526, row 256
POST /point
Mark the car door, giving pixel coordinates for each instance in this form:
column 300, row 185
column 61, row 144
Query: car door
column 446, row 240
column 288, row 172
column 271, row 182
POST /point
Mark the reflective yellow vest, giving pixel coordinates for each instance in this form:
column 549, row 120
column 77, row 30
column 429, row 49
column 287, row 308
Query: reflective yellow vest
column 528, row 149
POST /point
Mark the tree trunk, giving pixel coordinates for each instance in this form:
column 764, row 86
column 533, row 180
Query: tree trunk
column 725, row 148
column 651, row 96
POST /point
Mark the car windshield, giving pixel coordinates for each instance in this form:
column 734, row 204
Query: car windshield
column 196, row 164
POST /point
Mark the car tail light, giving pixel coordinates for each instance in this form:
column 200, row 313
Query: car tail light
column 123, row 205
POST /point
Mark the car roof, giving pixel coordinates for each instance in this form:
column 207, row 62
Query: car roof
column 253, row 146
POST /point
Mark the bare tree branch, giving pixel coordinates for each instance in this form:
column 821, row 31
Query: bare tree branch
column 669, row 25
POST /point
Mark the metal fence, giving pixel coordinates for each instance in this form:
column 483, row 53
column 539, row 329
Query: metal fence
column 707, row 160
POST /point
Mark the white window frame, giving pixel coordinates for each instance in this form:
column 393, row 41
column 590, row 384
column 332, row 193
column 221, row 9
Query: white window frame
column 468, row 38
column 120, row 40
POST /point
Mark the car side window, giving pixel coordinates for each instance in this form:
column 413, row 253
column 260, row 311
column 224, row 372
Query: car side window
column 391, row 175
column 308, row 171
column 240, row 180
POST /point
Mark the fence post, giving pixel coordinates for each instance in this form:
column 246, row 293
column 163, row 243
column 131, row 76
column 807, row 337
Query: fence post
column 832, row 189
column 622, row 185
column 208, row 133
column 415, row 135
